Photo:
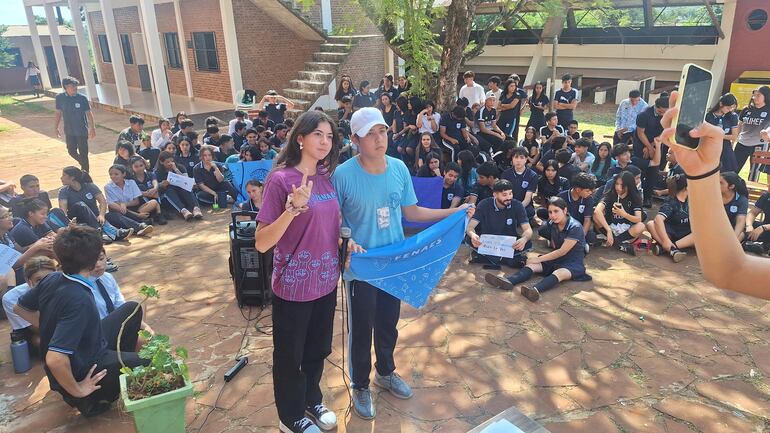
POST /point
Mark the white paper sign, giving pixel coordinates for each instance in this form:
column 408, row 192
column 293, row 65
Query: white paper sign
column 497, row 245
column 182, row 181
column 8, row 256
column 502, row 426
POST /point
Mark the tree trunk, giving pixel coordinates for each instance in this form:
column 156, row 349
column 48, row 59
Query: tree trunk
column 459, row 19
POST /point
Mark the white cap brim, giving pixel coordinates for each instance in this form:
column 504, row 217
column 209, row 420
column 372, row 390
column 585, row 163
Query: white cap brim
column 365, row 130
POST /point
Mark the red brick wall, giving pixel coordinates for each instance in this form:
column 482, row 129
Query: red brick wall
column 743, row 43
column 167, row 24
column 270, row 53
column 366, row 61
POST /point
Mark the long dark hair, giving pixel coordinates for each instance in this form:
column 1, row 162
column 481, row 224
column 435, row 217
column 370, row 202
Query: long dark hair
column 607, row 161
column 80, row 176
column 611, row 196
column 425, row 169
column 676, row 183
column 765, row 91
column 418, row 150
column 552, row 163
column 467, row 163
column 306, row 123
column 340, row 91
column 727, row 100
column 536, row 95
column 733, row 179
column 508, row 82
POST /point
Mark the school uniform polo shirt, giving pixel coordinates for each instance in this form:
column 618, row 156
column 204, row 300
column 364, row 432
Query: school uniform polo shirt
column 207, row 177
column 629, row 205
column 448, row 194
column 763, row 203
column 74, row 109
column 565, row 97
column 677, row 216
column 488, row 116
column 128, row 192
column 522, row 182
column 87, row 194
column 147, row 183
column 494, row 220
column 275, row 113
column 739, row 205
column 572, row 230
column 546, row 132
column 15, row 204
column 25, row 234
column 579, row 209
column 188, row 162
column 69, row 322
column 453, row 127
column 480, row 192
column 650, row 121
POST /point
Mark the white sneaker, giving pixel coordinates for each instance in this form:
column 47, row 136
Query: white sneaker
column 324, row 418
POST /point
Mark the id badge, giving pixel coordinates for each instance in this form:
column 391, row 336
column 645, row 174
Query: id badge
column 383, row 217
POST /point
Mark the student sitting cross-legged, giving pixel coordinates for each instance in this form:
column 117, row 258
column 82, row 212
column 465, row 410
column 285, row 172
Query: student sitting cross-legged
column 179, row 198
column 78, row 348
column 565, row 263
column 580, row 205
column 500, row 215
column 126, row 210
column 212, row 186
column 619, row 214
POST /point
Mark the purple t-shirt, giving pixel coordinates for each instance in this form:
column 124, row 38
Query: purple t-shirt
column 306, row 259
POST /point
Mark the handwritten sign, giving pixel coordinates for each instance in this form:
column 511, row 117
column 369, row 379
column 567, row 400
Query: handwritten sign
column 8, row 256
column 182, row 181
column 497, row 245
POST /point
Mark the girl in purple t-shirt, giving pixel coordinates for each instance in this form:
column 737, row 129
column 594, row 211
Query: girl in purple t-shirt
column 300, row 216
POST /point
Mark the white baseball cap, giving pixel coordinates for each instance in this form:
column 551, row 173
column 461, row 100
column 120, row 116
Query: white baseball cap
column 365, row 119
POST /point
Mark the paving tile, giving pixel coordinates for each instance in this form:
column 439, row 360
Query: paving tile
column 737, row 394
column 607, row 387
column 705, row 418
column 596, row 423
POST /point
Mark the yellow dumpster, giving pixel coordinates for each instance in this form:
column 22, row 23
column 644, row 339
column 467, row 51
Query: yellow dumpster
column 748, row 82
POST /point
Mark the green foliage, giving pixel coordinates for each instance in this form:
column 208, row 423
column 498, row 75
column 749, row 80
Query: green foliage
column 149, row 292
column 41, row 21
column 6, row 59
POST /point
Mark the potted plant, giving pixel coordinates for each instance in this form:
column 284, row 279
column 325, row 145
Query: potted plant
column 156, row 394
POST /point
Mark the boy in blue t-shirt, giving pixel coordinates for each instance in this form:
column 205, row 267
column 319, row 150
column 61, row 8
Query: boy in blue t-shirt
column 374, row 190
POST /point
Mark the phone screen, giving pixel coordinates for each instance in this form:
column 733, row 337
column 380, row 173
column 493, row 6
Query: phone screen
column 693, row 106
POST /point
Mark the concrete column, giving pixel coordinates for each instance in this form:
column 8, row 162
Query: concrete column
column 94, row 43
column 80, row 38
column 113, row 41
column 719, row 66
column 143, row 30
column 58, row 52
column 37, row 46
column 155, row 58
column 231, row 47
column 326, row 15
column 182, row 36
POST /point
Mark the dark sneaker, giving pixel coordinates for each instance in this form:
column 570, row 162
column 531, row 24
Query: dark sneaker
column 677, row 255
column 106, row 240
column 498, row 282
column 323, row 417
column 628, row 248
column 123, row 234
column 530, row 293
column 656, row 249
column 394, row 384
column 111, row 266
column 754, row 248
column 144, row 229
column 302, row 426
column 362, row 403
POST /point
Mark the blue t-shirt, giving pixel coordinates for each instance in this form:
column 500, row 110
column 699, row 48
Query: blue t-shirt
column 371, row 203
column 739, row 205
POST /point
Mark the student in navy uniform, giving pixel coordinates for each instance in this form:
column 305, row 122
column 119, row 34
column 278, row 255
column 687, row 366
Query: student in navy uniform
column 263, row 120
column 647, row 145
column 79, row 124
column 486, row 177
column 524, row 179
column 276, row 106
column 671, row 227
column 724, row 116
column 580, row 204
column 550, row 184
column 566, row 168
column 501, row 215
column 80, row 199
column 538, row 104
column 186, row 156
column 488, row 128
column 30, row 187
column 32, row 226
column 551, row 130
column 661, row 189
column 602, row 163
column 452, row 192
column 387, row 87
column 345, row 88
column 619, row 214
column 212, row 186
column 735, row 197
column 434, row 167
column 758, row 232
column 123, row 153
column 549, row 151
column 147, row 183
column 565, row 101
column 566, row 262
column 180, row 199
column 454, row 131
column 510, row 105
column 531, row 143
column 754, row 126
column 79, row 348
column 364, row 98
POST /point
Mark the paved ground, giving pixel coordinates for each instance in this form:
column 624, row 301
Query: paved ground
column 647, row 346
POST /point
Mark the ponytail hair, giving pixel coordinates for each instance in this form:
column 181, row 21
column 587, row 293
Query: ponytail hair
column 676, row 183
column 737, row 182
column 80, row 176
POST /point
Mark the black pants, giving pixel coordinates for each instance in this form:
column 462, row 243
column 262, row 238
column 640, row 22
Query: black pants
column 223, row 188
column 110, row 385
column 83, row 213
column 625, row 138
column 742, row 154
column 180, row 198
column 371, row 309
column 78, row 149
column 302, row 339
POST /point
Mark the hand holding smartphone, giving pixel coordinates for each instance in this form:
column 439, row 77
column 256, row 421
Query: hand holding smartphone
column 694, row 92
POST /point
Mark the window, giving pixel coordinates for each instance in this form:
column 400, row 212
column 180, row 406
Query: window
column 757, row 19
column 125, row 44
column 205, row 51
column 15, row 53
column 104, row 47
column 172, row 50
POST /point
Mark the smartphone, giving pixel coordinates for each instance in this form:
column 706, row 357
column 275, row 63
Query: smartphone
column 694, row 92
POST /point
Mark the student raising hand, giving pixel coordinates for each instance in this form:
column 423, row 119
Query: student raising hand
column 720, row 254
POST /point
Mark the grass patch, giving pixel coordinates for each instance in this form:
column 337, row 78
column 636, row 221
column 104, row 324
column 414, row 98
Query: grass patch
column 6, row 128
column 13, row 107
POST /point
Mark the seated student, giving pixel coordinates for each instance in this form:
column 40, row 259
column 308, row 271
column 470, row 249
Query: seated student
column 126, row 209
column 622, row 155
column 170, row 148
column 162, row 135
column 275, row 106
column 212, row 136
column 452, row 192
column 531, row 143
column 262, row 132
column 661, row 189
column 252, row 136
column 186, row 156
column 566, row 262
column 278, row 140
column 177, row 197
column 566, row 169
column 501, row 215
column 602, row 163
column 263, row 121
column 148, row 152
column 582, row 158
column 524, row 180
column 486, row 118
column 123, row 153
column 551, row 130
column 7, row 191
column 735, row 196
column 425, row 146
column 580, row 204
column 265, row 150
column 225, row 148
column 487, row 175
column 593, row 145
column 30, row 188
column 83, row 201
column 549, row 185
column 549, row 153
column 42, row 246
column 467, row 163
column 32, row 226
column 185, row 129
column 239, row 135
column 212, row 186
column 434, row 167
column 133, row 133
column 35, row 270
column 78, row 363
column 758, row 232
column 239, row 116
column 619, row 214
column 454, row 132
column 148, row 185
column 345, row 111
column 254, row 189
column 671, row 227
column 572, row 134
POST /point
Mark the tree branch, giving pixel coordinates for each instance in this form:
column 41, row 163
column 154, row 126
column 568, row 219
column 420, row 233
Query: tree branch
column 506, row 13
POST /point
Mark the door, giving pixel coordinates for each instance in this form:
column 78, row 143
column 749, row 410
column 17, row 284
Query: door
column 53, row 71
column 145, row 80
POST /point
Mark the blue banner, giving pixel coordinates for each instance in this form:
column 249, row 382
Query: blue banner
column 410, row 269
column 242, row 172
column 428, row 191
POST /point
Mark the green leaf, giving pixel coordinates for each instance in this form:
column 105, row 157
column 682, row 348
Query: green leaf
column 181, row 352
column 126, row 371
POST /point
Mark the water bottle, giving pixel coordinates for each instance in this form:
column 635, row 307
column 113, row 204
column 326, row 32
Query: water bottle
column 20, row 355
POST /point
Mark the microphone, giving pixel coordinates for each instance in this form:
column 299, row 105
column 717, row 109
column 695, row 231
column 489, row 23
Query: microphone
column 345, row 233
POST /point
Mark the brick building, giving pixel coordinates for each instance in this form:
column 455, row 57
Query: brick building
column 168, row 52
